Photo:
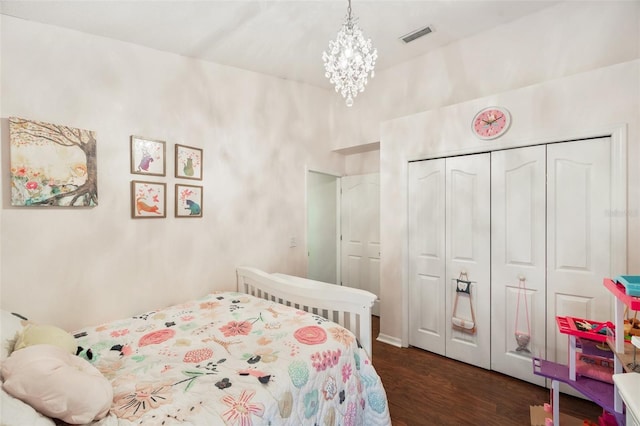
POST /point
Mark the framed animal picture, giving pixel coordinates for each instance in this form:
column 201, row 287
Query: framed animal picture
column 188, row 162
column 148, row 200
column 148, row 156
column 188, row 201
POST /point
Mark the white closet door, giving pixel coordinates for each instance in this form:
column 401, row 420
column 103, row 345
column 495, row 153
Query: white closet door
column 468, row 249
column 427, row 285
column 518, row 244
column 360, row 230
column 578, row 233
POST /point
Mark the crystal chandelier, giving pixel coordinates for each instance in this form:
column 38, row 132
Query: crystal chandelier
column 349, row 59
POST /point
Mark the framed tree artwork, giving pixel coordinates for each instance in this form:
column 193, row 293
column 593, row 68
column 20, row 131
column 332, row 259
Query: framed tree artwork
column 52, row 164
column 148, row 156
column 188, row 201
column 148, row 199
column 188, row 162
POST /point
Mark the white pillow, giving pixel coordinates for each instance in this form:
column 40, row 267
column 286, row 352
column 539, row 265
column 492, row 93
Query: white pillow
column 10, row 325
column 17, row 413
column 57, row 384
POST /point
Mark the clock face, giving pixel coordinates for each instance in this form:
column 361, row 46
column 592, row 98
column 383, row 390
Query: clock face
column 491, row 122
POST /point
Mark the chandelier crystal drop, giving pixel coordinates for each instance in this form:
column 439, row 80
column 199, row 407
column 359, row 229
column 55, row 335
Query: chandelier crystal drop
column 349, row 59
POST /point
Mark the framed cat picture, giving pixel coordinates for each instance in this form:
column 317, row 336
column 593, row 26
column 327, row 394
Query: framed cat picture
column 147, row 156
column 188, row 162
column 188, row 201
column 148, row 200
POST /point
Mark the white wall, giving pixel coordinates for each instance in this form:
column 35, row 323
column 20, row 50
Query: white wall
column 1, row 162
column 362, row 164
column 569, row 70
column 259, row 134
column 573, row 37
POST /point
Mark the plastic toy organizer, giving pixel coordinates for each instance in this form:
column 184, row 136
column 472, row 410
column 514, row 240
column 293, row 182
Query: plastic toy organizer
column 587, row 329
column 631, row 283
column 589, row 368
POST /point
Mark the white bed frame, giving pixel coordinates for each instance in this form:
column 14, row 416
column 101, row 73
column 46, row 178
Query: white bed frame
column 349, row 307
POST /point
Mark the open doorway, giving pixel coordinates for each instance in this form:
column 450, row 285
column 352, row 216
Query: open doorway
column 323, row 226
column 343, row 230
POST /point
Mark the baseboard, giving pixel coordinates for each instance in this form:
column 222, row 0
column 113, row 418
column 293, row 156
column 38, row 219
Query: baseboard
column 390, row 340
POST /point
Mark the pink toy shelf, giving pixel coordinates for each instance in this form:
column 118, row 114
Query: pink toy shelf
column 586, row 329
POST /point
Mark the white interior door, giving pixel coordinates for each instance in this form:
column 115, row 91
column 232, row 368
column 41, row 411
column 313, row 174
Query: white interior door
column 468, row 249
column 578, row 234
column 427, row 257
column 518, row 260
column 360, row 228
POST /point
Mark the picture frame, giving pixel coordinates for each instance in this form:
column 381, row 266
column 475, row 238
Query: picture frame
column 148, row 200
column 148, row 156
column 188, row 201
column 52, row 165
column 188, row 162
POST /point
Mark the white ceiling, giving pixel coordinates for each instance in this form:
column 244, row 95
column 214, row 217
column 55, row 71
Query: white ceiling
column 275, row 37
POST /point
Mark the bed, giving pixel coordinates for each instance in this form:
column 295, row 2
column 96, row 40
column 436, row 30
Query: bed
column 281, row 350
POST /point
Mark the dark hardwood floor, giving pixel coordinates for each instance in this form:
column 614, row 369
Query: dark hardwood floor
column 428, row 389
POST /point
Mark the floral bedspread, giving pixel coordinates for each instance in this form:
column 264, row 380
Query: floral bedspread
column 233, row 359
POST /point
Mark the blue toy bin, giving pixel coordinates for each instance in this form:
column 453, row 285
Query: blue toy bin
column 631, row 283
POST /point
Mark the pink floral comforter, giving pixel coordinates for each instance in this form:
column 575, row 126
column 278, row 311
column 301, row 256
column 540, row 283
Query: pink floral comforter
column 232, row 359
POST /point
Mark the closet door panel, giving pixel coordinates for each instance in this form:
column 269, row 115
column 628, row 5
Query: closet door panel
column 427, row 255
column 518, row 260
column 468, row 250
column 578, row 234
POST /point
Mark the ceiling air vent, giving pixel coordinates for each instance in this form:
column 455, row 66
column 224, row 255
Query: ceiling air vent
column 416, row 34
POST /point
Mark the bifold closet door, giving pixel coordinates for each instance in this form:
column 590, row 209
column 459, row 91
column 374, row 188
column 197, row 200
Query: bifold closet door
column 449, row 204
column 578, row 236
column 426, row 221
column 518, row 260
column 530, row 227
column 468, row 255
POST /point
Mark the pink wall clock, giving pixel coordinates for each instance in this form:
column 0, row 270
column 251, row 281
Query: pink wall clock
column 491, row 122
